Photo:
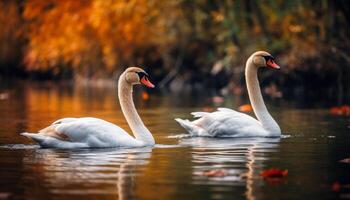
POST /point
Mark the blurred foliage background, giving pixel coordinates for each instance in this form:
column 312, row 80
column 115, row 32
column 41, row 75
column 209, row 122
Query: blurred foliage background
column 186, row 45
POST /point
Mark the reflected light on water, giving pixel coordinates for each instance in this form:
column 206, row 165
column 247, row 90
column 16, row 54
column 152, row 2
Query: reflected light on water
column 88, row 172
column 230, row 154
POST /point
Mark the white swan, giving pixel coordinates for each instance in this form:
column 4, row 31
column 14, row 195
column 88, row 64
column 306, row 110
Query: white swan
column 89, row 132
column 229, row 123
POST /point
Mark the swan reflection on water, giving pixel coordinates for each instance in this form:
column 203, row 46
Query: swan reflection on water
column 242, row 158
column 88, row 171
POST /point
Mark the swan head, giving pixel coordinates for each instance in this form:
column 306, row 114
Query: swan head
column 136, row 75
column 264, row 59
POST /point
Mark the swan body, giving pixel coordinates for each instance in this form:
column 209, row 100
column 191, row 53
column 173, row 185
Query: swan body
column 89, row 132
column 83, row 132
column 226, row 122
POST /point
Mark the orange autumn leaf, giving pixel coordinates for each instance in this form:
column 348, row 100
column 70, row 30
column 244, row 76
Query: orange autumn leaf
column 274, row 173
column 341, row 110
column 215, row 173
column 245, row 108
column 145, row 96
column 208, row 109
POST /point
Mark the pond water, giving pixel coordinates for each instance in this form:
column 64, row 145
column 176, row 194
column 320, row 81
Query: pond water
column 315, row 141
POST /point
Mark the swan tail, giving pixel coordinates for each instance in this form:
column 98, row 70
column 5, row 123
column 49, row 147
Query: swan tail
column 198, row 114
column 35, row 136
column 52, row 142
column 189, row 126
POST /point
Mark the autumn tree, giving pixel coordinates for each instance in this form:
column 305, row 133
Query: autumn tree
column 11, row 37
column 93, row 36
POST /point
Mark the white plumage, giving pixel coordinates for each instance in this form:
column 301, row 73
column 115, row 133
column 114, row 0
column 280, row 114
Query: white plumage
column 89, row 132
column 224, row 122
column 229, row 123
column 83, row 132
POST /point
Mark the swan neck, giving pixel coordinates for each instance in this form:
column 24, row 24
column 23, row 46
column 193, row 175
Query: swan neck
column 137, row 127
column 256, row 98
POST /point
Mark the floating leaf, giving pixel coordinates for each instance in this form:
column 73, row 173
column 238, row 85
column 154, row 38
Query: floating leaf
column 274, row 173
column 208, row 109
column 145, row 96
column 341, row 110
column 245, row 108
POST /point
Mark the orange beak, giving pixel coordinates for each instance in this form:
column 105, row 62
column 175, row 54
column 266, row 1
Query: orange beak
column 272, row 64
column 146, row 82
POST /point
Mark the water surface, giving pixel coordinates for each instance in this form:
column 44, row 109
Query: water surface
column 174, row 169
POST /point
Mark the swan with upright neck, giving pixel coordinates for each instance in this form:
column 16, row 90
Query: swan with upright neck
column 226, row 122
column 89, row 132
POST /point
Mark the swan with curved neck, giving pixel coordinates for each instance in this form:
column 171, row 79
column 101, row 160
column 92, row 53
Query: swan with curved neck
column 229, row 123
column 89, row 132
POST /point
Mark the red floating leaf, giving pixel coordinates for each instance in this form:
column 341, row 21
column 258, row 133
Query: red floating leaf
column 215, row 173
column 274, row 173
column 341, row 110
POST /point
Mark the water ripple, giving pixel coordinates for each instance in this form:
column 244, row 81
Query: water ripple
column 241, row 158
column 111, row 170
column 19, row 146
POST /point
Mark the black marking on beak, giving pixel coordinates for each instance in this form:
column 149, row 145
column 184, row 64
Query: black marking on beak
column 142, row 74
column 267, row 58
